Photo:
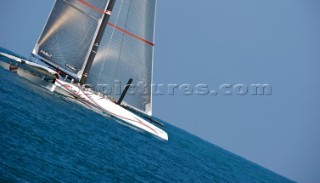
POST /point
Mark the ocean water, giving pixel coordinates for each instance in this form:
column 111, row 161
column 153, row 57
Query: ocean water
column 47, row 138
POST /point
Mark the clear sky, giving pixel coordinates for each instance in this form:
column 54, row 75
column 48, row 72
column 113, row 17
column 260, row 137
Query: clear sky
column 217, row 42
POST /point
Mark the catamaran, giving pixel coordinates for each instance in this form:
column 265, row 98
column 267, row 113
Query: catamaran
column 89, row 45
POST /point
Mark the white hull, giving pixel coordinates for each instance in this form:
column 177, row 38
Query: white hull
column 107, row 106
column 90, row 99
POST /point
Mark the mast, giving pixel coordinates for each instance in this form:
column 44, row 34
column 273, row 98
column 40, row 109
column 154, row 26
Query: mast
column 97, row 41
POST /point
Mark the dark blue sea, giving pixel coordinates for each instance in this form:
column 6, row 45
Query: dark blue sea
column 47, row 138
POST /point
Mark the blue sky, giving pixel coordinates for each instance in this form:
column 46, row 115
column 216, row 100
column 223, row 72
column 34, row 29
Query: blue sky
column 233, row 42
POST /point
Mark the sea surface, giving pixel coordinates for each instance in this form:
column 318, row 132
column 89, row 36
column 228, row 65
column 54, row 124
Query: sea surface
column 47, row 138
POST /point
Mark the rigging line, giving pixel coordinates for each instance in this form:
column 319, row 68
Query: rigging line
column 121, row 44
column 114, row 25
column 109, row 44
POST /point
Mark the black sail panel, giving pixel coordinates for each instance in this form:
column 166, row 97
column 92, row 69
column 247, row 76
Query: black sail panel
column 68, row 35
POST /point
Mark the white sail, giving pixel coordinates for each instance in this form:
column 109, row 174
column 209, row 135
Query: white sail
column 126, row 51
column 69, row 33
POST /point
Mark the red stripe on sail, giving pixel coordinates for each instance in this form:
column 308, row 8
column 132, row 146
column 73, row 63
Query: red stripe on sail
column 130, row 34
column 92, row 7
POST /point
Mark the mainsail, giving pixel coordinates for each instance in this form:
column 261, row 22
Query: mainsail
column 126, row 49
